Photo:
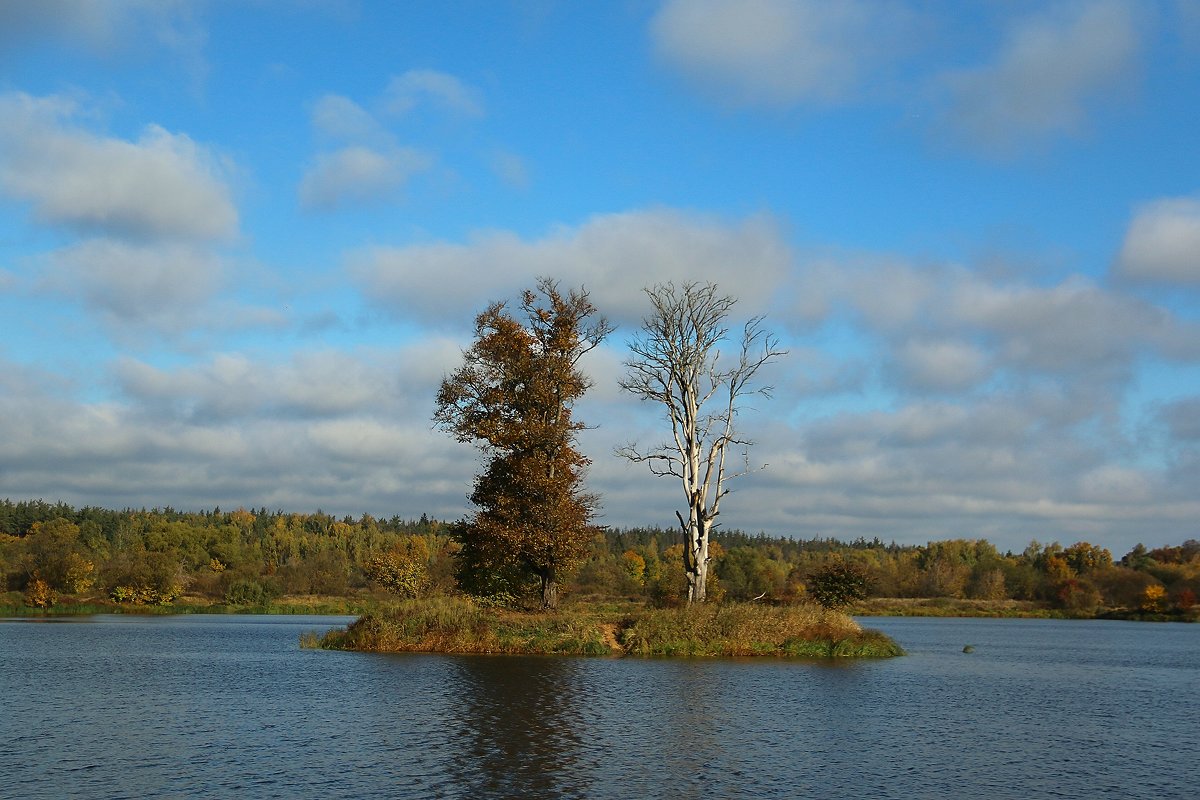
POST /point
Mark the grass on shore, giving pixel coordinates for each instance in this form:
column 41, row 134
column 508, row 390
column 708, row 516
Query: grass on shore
column 1014, row 609
column 12, row 605
column 456, row 625
column 954, row 607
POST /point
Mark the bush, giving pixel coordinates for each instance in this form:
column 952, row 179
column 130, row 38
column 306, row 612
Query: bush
column 38, row 593
column 398, row 572
column 144, row 577
column 1121, row 587
column 838, row 584
column 145, row 595
column 1079, row 596
column 248, row 592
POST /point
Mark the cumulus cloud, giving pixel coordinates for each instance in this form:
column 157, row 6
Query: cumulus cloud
column 310, row 385
column 161, row 286
column 1052, row 70
column 339, row 117
column 162, row 185
column 1182, row 419
column 510, row 168
column 997, row 467
column 345, row 431
column 103, row 26
column 371, row 165
column 613, row 255
column 777, row 52
column 941, row 365
column 1162, row 243
column 358, row 175
column 405, row 92
column 1072, row 328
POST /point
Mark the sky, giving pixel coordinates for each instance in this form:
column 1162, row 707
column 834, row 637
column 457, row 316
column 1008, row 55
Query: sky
column 241, row 243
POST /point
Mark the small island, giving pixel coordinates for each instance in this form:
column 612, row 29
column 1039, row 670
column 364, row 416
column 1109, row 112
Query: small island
column 460, row 625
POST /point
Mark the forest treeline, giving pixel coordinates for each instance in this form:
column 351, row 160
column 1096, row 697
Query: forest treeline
column 53, row 552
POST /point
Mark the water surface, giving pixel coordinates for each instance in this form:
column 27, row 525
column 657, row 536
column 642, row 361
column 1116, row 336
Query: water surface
column 217, row 706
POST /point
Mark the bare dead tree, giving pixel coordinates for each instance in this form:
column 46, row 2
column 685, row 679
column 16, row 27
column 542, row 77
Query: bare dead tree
column 676, row 361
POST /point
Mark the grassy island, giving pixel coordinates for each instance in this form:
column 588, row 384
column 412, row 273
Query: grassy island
column 459, row 625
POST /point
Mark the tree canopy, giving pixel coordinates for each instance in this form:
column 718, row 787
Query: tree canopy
column 513, row 397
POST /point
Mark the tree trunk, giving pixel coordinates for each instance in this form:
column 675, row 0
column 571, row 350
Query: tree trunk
column 695, row 558
column 549, row 590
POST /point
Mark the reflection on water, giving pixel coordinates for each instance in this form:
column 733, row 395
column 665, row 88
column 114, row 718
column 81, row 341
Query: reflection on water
column 522, row 724
column 193, row 707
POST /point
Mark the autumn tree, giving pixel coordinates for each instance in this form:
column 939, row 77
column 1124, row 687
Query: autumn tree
column 513, row 397
column 677, row 362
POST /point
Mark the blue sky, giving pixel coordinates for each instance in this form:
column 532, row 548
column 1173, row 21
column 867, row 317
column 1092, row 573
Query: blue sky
column 241, row 243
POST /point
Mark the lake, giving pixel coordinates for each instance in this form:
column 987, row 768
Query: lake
column 229, row 706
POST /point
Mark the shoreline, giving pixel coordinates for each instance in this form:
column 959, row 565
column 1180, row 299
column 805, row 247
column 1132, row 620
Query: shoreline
column 335, row 605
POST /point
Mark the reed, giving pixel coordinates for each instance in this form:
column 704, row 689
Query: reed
column 748, row 629
column 457, row 625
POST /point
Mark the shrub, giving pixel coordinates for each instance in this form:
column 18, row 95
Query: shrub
column 1185, row 599
column 248, row 592
column 1152, row 597
column 398, row 573
column 838, row 584
column 38, row 593
column 1079, row 596
column 146, row 595
column 1121, row 587
column 144, row 577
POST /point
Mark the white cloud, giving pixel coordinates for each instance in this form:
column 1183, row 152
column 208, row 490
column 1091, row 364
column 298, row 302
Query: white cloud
column 103, row 26
column 1182, row 419
column 1162, row 243
column 613, row 255
column 1052, row 70
column 327, row 384
column 941, row 365
column 162, row 286
column 1072, row 328
column 1112, row 484
column 778, row 52
column 348, row 432
column 341, row 118
column 358, row 175
column 162, row 185
column 405, row 92
column 510, row 168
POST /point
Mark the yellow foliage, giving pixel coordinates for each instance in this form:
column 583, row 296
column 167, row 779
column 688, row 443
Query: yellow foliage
column 80, row 574
column 634, row 566
column 1153, row 596
column 145, row 595
column 38, row 593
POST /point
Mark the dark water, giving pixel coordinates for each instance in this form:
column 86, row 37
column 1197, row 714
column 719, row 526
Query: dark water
column 214, row 707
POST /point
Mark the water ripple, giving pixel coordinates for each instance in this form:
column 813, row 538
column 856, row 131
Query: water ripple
column 230, row 707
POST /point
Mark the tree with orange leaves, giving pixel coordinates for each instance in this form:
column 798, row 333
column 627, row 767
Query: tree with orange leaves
column 513, row 397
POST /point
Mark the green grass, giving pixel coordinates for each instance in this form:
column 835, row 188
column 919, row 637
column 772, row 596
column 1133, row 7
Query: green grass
column 11, row 605
column 456, row 625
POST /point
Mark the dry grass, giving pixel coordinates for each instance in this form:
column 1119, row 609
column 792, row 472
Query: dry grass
column 456, row 625
column 747, row 629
